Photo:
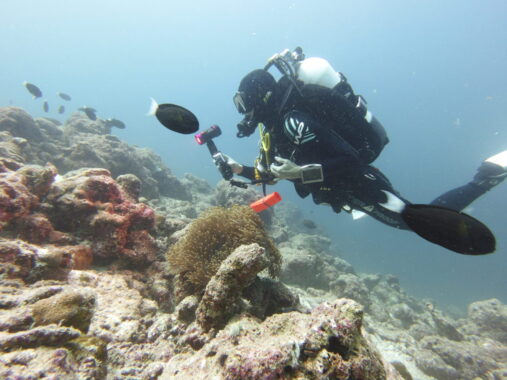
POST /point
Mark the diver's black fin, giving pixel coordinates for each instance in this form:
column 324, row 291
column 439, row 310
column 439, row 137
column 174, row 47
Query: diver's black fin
column 451, row 229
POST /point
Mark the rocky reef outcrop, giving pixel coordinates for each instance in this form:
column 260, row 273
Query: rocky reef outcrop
column 87, row 290
column 84, row 143
column 77, row 217
column 327, row 343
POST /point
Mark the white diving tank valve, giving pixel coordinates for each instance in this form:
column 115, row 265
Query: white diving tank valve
column 315, row 70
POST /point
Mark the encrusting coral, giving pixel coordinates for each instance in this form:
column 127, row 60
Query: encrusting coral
column 69, row 308
column 236, row 272
column 210, row 239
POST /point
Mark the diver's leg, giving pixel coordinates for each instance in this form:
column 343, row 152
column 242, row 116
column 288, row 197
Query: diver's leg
column 491, row 173
column 451, row 229
column 375, row 196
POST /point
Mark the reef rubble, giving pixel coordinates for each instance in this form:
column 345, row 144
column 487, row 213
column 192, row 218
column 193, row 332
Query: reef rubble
column 87, row 291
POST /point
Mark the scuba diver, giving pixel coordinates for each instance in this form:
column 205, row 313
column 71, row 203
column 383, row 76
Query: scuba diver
column 318, row 134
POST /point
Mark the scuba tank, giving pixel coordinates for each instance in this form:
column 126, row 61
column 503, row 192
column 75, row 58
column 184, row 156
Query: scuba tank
column 318, row 83
column 318, row 71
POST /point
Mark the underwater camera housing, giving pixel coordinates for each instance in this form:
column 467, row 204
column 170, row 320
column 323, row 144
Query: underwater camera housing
column 206, row 137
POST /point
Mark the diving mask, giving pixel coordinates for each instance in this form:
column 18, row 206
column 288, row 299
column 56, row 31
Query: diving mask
column 239, row 102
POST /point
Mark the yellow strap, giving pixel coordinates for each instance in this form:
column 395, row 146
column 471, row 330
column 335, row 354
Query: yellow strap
column 265, row 143
column 257, row 173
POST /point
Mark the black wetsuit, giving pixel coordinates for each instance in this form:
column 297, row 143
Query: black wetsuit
column 350, row 182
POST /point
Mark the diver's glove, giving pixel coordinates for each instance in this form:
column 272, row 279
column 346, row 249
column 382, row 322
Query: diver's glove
column 235, row 167
column 289, row 170
column 286, row 170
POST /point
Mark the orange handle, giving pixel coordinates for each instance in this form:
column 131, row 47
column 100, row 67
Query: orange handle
column 266, row 202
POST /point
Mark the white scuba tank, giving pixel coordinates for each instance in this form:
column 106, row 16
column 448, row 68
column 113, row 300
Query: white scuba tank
column 315, row 70
column 318, row 71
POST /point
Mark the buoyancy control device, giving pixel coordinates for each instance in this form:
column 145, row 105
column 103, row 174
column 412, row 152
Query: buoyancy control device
column 328, row 95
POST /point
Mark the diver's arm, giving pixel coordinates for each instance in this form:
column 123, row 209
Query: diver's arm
column 248, row 172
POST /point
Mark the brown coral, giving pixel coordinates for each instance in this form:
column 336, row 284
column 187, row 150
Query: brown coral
column 212, row 238
column 236, row 272
column 69, row 308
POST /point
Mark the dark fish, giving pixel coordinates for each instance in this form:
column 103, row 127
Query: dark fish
column 112, row 122
column 64, row 96
column 61, row 109
column 309, row 224
column 45, row 106
column 90, row 112
column 33, row 89
column 451, row 229
column 174, row 117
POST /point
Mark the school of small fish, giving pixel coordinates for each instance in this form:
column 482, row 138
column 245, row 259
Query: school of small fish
column 90, row 112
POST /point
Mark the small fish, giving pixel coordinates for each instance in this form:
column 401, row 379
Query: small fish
column 309, row 224
column 90, row 112
column 61, row 109
column 64, row 96
column 45, row 106
column 112, row 122
column 33, row 89
column 174, row 117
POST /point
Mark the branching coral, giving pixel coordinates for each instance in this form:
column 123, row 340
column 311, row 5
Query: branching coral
column 211, row 238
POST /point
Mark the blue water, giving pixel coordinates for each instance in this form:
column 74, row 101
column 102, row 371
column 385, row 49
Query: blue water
column 434, row 72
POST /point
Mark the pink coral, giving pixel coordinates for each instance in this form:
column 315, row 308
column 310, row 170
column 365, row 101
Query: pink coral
column 90, row 204
column 20, row 194
column 85, row 206
column 16, row 201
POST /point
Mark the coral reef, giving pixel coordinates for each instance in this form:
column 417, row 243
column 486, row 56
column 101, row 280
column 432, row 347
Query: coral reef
column 115, row 323
column 237, row 271
column 11, row 147
column 209, row 240
column 89, row 204
column 31, row 262
column 19, row 123
column 86, row 291
column 324, row 344
column 306, row 263
column 490, row 316
column 85, row 206
column 69, row 308
column 41, row 336
column 81, row 142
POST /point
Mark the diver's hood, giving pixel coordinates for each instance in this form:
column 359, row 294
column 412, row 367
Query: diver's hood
column 254, row 99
